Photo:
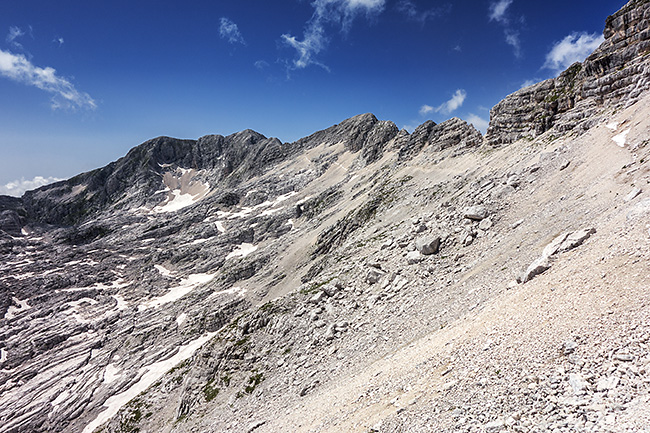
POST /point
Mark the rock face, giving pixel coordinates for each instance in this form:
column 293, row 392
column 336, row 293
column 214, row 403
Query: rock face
column 450, row 133
column 616, row 73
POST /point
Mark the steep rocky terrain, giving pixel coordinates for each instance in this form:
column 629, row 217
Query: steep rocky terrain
column 359, row 279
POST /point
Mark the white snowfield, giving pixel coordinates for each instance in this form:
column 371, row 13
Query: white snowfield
column 13, row 310
column 621, row 139
column 245, row 211
column 242, row 251
column 163, row 270
column 111, row 373
column 181, row 319
column 186, row 286
column 151, row 374
column 182, row 190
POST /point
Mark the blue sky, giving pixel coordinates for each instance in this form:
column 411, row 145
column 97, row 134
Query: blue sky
column 83, row 82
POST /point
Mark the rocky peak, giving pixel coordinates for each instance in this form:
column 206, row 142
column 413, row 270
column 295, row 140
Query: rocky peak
column 616, row 73
column 361, row 132
column 436, row 137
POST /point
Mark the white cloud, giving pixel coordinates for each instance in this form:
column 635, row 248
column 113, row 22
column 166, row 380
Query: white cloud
column 261, row 64
column 410, row 10
column 426, row 109
column 59, row 41
column 512, row 39
column 16, row 67
column 315, row 40
column 15, row 33
column 18, row 187
column 498, row 11
column 530, row 82
column 573, row 48
column 230, row 31
column 454, row 103
column 448, row 107
column 478, row 122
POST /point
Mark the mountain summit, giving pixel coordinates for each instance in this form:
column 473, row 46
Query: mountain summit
column 362, row 278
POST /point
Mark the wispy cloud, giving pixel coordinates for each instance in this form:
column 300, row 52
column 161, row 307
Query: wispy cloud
column 411, row 11
column 426, row 109
column 15, row 33
column 530, row 82
column 479, row 123
column 573, row 48
column 16, row 67
column 340, row 12
column 448, row 107
column 17, row 188
column 59, row 41
column 261, row 64
column 498, row 12
column 512, row 39
column 454, row 103
column 230, row 32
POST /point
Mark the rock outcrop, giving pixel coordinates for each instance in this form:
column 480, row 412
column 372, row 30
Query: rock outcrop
column 454, row 133
column 616, row 73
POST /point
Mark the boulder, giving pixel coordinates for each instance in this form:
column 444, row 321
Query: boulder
column 428, row 245
column 476, row 213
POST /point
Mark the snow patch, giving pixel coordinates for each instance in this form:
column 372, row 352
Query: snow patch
column 243, row 213
column 270, row 212
column 242, row 250
column 151, row 374
column 60, row 399
column 111, row 373
column 3, row 355
column 163, row 270
column 231, row 291
column 181, row 319
column 620, row 139
column 117, row 284
column 24, row 232
column 184, row 191
column 177, row 202
column 290, row 223
column 121, row 303
column 613, row 126
column 78, row 302
column 13, row 310
column 186, row 286
column 200, row 241
column 220, row 227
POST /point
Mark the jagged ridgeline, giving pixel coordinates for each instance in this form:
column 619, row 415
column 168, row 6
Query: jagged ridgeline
column 362, row 278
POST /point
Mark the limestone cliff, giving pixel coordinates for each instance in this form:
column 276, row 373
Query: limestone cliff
column 616, row 73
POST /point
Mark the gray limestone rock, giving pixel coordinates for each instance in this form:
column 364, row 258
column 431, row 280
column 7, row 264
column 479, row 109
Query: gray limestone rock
column 615, row 73
column 476, row 213
column 428, row 245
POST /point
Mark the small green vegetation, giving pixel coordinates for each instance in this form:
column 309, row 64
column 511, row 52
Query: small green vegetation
column 132, row 416
column 241, row 342
column 225, row 379
column 178, row 367
column 210, row 392
column 268, row 307
column 253, row 381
